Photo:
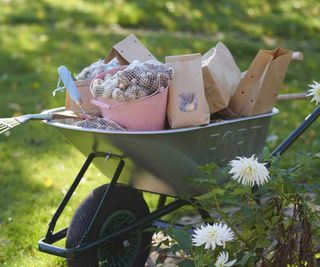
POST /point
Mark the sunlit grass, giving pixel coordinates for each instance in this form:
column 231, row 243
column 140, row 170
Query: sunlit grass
column 37, row 164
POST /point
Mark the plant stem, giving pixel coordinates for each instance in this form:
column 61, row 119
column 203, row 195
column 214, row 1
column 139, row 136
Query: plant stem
column 240, row 237
column 225, row 218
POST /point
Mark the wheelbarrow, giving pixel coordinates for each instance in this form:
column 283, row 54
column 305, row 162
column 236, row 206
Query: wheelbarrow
column 111, row 225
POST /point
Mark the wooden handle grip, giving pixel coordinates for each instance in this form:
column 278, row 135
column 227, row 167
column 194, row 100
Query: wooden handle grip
column 296, row 96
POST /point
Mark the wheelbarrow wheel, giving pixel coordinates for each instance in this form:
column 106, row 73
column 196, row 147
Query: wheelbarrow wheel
column 126, row 205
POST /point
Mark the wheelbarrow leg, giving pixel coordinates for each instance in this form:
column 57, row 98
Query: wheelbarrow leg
column 161, row 201
column 203, row 213
column 105, row 198
column 68, row 195
column 75, row 184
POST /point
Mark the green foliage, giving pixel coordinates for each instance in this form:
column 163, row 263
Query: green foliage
column 183, row 239
column 186, row 263
column 276, row 224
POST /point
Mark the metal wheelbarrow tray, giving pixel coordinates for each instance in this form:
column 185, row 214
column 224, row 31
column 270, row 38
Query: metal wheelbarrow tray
column 158, row 161
column 113, row 218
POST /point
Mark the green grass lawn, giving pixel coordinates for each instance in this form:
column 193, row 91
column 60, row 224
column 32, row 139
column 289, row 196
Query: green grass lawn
column 37, row 164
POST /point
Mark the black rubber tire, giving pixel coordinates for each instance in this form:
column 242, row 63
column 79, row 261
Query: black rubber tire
column 123, row 198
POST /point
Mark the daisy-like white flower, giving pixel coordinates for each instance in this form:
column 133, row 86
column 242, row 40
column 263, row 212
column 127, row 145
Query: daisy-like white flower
column 315, row 92
column 212, row 235
column 249, row 171
column 222, row 260
column 160, row 237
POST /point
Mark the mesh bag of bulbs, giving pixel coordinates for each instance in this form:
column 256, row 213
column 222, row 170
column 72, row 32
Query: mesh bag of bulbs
column 135, row 83
column 99, row 124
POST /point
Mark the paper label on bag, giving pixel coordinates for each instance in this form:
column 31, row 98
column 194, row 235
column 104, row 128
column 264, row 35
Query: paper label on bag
column 188, row 102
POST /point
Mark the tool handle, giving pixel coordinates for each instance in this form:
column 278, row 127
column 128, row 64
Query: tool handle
column 40, row 116
column 284, row 97
column 67, row 80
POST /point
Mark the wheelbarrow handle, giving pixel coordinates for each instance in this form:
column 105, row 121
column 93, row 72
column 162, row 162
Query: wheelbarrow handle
column 297, row 132
column 296, row 96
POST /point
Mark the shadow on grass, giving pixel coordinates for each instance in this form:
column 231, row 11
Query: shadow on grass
column 35, row 172
column 26, row 206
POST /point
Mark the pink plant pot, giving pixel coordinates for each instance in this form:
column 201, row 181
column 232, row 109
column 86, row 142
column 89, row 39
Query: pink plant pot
column 145, row 114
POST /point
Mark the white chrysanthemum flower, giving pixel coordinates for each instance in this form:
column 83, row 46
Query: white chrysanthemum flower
column 315, row 92
column 222, row 260
column 213, row 235
column 160, row 236
column 249, row 171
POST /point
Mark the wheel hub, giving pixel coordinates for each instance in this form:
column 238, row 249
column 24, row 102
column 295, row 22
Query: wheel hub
column 122, row 251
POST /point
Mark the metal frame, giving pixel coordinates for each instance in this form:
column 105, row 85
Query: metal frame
column 297, row 132
column 51, row 237
column 46, row 244
column 289, row 141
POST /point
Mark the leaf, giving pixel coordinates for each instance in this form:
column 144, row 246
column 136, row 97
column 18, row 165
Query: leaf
column 186, row 263
column 317, row 155
column 246, row 234
column 182, row 237
column 275, row 219
column 174, row 248
column 293, row 169
column 266, row 153
column 245, row 258
column 263, row 243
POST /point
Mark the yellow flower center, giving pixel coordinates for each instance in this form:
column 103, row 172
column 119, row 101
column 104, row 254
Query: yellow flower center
column 212, row 234
column 249, row 171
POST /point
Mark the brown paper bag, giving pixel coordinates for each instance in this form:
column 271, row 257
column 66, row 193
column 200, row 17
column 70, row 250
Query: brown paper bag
column 125, row 51
column 221, row 77
column 187, row 105
column 128, row 50
column 258, row 89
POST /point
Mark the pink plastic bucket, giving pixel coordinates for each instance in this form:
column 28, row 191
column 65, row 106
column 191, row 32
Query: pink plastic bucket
column 145, row 114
